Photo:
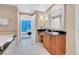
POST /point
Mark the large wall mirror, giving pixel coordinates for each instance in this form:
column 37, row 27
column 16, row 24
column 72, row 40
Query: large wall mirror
column 56, row 22
column 57, row 17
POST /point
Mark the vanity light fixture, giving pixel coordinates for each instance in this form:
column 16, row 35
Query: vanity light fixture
column 41, row 17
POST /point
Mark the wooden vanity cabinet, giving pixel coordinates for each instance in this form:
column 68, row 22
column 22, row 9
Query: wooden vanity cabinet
column 46, row 41
column 54, row 44
column 58, row 45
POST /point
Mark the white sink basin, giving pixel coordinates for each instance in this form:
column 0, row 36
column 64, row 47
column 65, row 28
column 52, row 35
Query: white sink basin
column 54, row 33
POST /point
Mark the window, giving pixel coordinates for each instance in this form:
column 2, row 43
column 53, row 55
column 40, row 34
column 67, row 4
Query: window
column 26, row 25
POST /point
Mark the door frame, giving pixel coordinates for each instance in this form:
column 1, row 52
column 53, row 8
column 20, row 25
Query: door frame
column 77, row 29
column 19, row 32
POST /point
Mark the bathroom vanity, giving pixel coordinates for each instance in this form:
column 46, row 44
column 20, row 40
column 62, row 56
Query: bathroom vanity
column 54, row 42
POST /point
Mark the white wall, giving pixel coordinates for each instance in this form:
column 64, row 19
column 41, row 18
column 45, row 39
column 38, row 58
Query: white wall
column 77, row 28
column 40, row 20
column 70, row 30
column 47, row 21
column 43, row 21
column 33, row 29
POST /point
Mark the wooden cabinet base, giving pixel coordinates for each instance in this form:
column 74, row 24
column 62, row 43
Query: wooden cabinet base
column 46, row 41
column 58, row 45
column 54, row 44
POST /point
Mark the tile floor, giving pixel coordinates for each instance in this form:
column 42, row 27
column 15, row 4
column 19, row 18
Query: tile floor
column 26, row 47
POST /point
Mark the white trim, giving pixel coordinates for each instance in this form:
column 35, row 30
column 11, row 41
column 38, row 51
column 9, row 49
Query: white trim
column 18, row 36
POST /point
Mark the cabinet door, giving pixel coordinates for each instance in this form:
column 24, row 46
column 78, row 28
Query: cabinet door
column 53, row 45
column 46, row 41
column 63, row 44
column 60, row 45
column 40, row 36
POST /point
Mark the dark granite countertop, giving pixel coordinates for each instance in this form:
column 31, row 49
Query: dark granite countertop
column 52, row 32
column 55, row 33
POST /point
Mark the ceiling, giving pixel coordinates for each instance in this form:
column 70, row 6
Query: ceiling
column 31, row 7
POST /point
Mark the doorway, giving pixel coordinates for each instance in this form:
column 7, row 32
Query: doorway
column 27, row 29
